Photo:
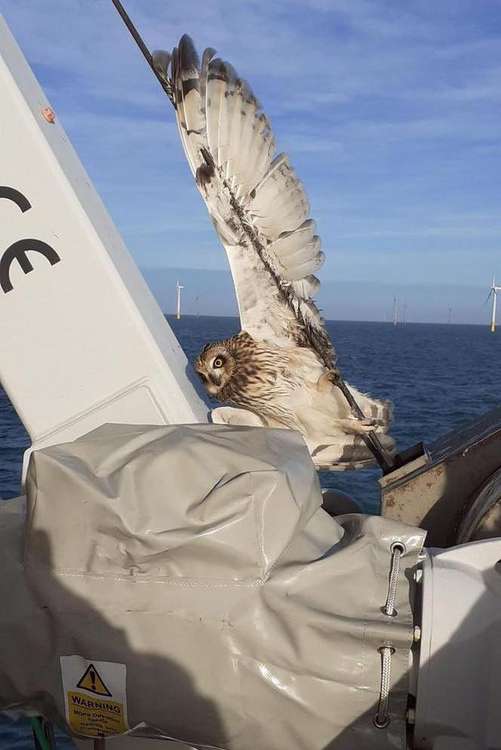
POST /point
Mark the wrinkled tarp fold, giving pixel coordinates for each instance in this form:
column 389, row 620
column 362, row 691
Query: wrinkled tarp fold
column 199, row 557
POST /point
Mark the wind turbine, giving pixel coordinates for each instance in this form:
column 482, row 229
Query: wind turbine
column 493, row 293
column 178, row 287
column 395, row 311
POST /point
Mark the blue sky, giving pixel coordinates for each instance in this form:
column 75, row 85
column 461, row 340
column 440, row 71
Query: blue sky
column 391, row 112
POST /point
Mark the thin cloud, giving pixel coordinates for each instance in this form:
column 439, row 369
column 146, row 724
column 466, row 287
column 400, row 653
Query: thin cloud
column 390, row 112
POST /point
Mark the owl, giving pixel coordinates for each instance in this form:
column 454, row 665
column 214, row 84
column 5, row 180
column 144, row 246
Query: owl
column 280, row 370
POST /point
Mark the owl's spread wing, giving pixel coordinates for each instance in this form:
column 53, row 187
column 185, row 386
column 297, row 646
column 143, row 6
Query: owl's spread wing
column 258, row 205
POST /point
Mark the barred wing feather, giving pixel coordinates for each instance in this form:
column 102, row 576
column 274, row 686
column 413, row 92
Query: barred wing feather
column 258, row 205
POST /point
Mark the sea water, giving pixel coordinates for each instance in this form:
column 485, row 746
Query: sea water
column 437, row 376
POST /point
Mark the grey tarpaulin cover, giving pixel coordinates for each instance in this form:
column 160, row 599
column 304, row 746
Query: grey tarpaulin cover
column 198, row 556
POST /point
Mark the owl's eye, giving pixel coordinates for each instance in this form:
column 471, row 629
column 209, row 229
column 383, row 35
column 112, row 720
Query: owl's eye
column 218, row 362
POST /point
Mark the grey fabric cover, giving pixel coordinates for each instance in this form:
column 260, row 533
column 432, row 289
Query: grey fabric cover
column 199, row 556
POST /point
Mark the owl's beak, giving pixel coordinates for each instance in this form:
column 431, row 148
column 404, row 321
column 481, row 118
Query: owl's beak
column 209, row 387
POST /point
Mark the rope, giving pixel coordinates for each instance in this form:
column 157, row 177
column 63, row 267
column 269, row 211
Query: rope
column 389, row 607
column 382, row 717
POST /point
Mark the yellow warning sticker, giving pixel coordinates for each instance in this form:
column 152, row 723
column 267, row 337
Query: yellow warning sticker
column 95, row 697
column 91, row 680
column 95, row 717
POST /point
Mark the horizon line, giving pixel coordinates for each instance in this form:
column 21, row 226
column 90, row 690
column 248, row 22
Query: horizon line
column 395, row 285
column 338, row 320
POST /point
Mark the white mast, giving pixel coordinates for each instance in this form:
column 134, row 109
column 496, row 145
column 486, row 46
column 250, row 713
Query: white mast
column 178, row 309
column 142, row 376
column 395, row 311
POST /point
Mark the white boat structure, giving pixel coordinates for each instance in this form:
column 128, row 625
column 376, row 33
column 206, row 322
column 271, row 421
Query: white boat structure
column 179, row 582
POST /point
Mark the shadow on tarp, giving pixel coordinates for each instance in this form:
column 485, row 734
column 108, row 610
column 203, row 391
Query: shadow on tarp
column 184, row 702
column 103, row 642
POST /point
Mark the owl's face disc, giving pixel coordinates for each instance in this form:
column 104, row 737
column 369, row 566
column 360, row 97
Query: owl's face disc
column 214, row 367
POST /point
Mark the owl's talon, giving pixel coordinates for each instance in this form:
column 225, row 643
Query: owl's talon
column 325, row 382
column 367, row 425
column 358, row 426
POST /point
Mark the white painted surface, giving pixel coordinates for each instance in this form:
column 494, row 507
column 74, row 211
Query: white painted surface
column 458, row 683
column 83, row 340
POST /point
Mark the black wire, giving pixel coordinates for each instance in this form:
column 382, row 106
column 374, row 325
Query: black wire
column 142, row 46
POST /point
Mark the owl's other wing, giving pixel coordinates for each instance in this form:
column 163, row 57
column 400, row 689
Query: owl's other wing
column 258, row 205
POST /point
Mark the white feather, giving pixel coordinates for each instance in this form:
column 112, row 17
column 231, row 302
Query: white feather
column 306, row 288
column 255, row 198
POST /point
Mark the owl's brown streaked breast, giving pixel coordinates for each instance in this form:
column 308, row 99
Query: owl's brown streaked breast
column 263, row 379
